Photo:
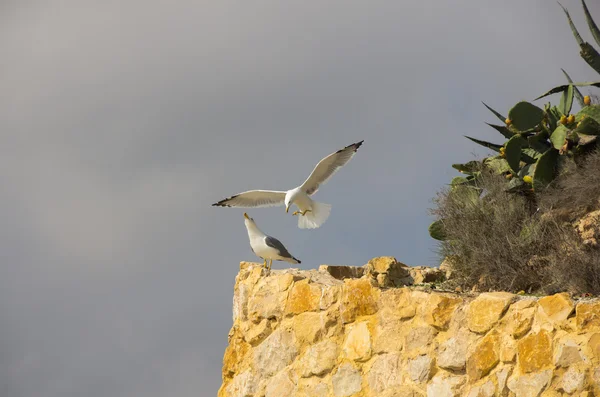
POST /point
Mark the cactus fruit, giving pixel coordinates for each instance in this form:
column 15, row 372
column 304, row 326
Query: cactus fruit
column 587, row 100
column 563, row 119
column 527, row 179
column 508, row 121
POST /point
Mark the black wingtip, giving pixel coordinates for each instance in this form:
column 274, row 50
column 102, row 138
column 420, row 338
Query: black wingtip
column 297, row 260
column 355, row 146
column 222, row 202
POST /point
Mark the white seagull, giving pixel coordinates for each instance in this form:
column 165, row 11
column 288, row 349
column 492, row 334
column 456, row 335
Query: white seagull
column 311, row 214
column 266, row 247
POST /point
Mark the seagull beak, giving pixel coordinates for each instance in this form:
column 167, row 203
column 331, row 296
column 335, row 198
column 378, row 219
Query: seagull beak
column 287, row 209
column 246, row 216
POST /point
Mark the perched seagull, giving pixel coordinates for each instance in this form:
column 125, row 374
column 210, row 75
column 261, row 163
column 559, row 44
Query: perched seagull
column 311, row 214
column 266, row 247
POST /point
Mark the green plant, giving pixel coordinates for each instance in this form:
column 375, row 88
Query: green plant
column 538, row 141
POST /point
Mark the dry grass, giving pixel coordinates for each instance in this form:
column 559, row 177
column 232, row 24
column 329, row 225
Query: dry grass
column 502, row 241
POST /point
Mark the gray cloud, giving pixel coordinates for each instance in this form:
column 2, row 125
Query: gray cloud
column 123, row 121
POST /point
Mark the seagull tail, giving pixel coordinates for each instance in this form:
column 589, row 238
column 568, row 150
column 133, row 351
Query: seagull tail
column 315, row 218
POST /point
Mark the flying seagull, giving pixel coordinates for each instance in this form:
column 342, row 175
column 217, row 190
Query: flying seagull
column 311, row 214
column 266, row 247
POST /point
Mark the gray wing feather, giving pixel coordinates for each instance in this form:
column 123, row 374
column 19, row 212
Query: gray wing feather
column 274, row 243
column 329, row 166
column 254, row 199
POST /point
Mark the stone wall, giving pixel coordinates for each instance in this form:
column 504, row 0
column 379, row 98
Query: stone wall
column 339, row 332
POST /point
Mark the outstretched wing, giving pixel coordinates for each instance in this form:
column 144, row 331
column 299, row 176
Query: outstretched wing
column 274, row 243
column 329, row 166
column 254, row 199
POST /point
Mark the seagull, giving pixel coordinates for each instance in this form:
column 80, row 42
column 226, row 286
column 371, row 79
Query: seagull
column 311, row 214
column 266, row 247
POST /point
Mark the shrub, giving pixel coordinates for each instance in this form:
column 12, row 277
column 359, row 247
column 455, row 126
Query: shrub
column 498, row 240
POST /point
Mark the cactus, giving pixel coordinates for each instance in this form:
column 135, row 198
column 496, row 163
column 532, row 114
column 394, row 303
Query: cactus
column 538, row 141
column 588, row 52
column 436, row 230
column 525, row 116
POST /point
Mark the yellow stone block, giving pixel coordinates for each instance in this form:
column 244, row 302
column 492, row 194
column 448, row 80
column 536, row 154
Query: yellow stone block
column 587, row 315
column 484, row 357
column 438, row 310
column 557, row 307
column 359, row 298
column 594, row 344
column 534, row 352
column 303, row 297
column 234, row 355
column 309, row 327
column 357, row 345
column 519, row 321
column 485, row 311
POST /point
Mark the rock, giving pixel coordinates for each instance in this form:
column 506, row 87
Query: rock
column 587, row 315
column 419, row 338
column 396, row 305
column 420, row 368
column 484, row 357
column 267, row 300
column 304, row 297
column 384, row 372
column 309, row 327
column 240, row 301
column 588, row 228
column 508, row 349
column 573, row 380
column 531, row 385
column 312, row 387
column 487, row 309
column 359, row 298
column 387, row 339
column 594, row 344
column 319, row 359
column 485, row 390
column 346, row 381
column 438, row 310
column 453, row 353
column 358, row 343
column 401, row 391
column 280, row 385
column 384, row 280
column 519, row 319
column 275, row 353
column 445, row 386
column 234, row 354
column 243, row 385
column 342, row 272
column 534, row 352
column 424, row 274
column 567, row 353
column 596, row 377
column 388, row 265
column 502, row 375
column 256, row 334
column 306, row 333
column 557, row 307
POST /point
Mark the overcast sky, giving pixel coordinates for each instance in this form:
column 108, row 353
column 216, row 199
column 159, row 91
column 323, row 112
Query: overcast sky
column 122, row 121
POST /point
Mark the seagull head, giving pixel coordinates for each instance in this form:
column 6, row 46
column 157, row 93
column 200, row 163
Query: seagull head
column 288, row 202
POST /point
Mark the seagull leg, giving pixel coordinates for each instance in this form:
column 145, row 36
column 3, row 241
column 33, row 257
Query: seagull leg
column 270, row 264
column 265, row 264
column 295, row 212
column 304, row 213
